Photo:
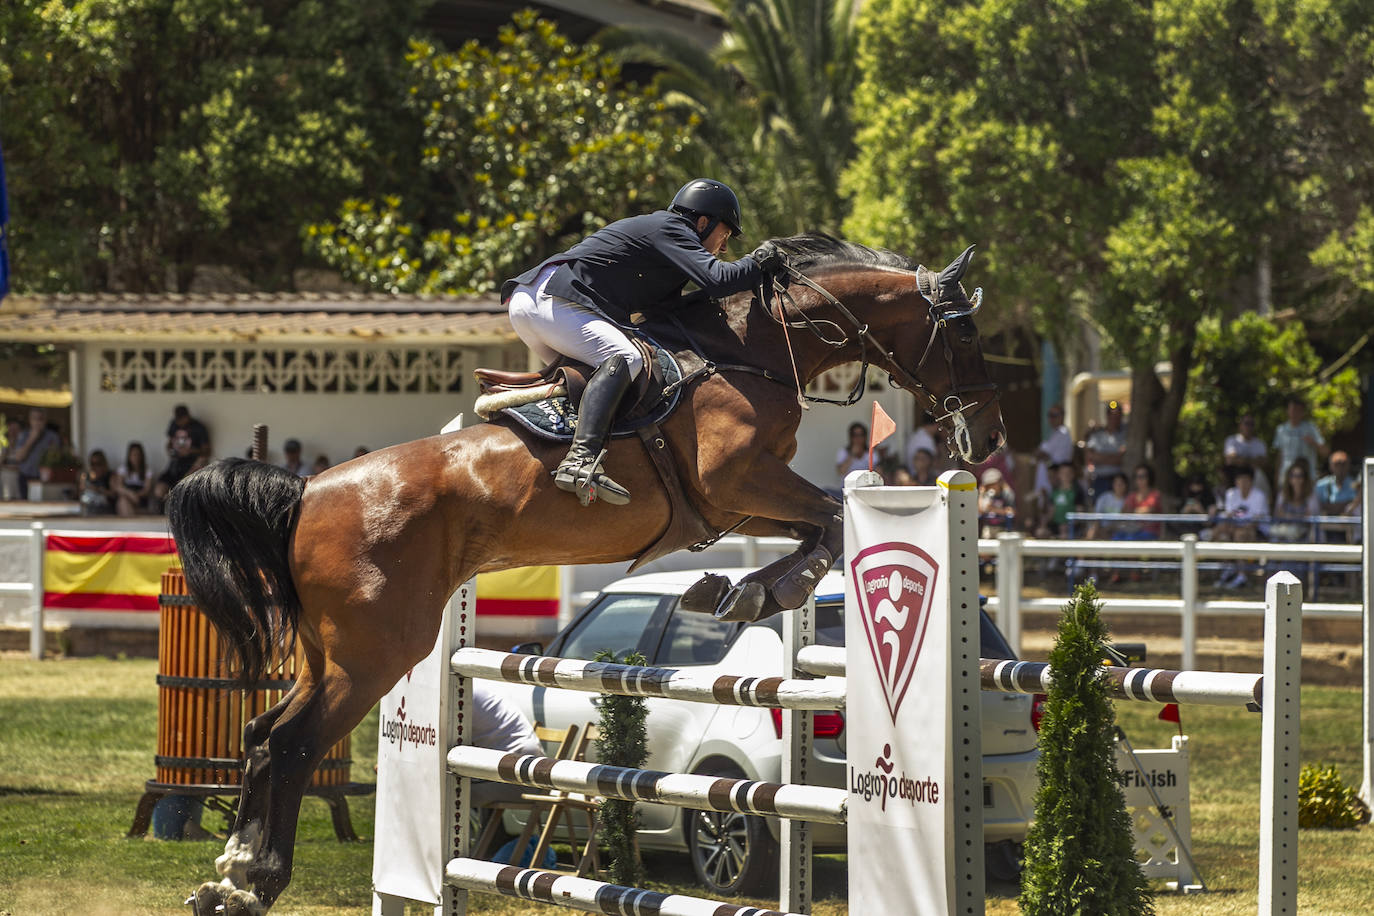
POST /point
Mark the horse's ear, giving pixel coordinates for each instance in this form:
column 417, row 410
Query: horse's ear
column 951, row 275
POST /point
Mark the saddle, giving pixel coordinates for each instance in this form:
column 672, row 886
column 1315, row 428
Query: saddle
column 545, row 404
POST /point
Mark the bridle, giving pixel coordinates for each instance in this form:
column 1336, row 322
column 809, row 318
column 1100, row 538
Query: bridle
column 949, row 409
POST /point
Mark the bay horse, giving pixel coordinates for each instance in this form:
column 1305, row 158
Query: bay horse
column 358, row 562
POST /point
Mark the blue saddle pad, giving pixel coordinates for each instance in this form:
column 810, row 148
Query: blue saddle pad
column 556, row 418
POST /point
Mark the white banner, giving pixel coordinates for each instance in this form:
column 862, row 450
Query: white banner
column 903, row 791
column 409, row 854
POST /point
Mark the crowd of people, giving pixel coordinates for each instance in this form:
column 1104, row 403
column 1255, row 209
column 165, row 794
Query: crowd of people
column 1084, row 488
column 133, row 487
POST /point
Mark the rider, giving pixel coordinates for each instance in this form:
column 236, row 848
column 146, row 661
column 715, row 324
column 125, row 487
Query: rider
column 576, row 304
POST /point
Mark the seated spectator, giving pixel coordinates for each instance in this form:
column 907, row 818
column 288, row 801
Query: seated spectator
column 1244, row 447
column 1066, row 496
column 96, row 484
column 499, row 725
column 1143, row 499
column 27, row 451
column 185, row 459
column 1336, row 492
column 1243, row 505
column 291, row 453
column 996, row 503
column 182, row 420
column 321, row 464
column 923, row 473
column 924, row 437
column 1109, row 502
column 1294, row 507
column 1197, row 497
column 134, row 482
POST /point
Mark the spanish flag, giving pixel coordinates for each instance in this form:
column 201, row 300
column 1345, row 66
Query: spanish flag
column 530, row 591
column 121, row 572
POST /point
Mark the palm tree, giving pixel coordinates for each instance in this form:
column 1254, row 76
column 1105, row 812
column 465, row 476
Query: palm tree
column 771, row 103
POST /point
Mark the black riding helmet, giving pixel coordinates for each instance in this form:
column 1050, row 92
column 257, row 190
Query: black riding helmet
column 709, row 198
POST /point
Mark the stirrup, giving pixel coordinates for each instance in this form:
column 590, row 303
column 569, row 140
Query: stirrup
column 588, row 483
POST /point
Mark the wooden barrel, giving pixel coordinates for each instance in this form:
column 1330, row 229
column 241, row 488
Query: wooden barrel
column 201, row 713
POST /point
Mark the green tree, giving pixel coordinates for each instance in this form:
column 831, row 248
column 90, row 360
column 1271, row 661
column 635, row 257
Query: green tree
column 146, row 137
column 525, row 146
column 771, row 105
column 624, row 742
column 1252, row 365
column 1080, row 852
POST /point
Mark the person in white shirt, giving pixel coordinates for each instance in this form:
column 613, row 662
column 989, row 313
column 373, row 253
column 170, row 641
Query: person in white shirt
column 499, row 724
column 922, row 438
column 1243, row 447
column 1297, row 438
column 1243, row 507
column 1056, row 449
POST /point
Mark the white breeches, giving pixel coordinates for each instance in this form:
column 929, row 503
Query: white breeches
column 550, row 325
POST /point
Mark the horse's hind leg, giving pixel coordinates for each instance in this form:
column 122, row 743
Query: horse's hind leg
column 246, row 836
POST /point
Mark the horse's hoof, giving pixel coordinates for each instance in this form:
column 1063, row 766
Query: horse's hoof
column 792, row 590
column 743, row 603
column 706, row 594
column 243, row 903
column 208, row 900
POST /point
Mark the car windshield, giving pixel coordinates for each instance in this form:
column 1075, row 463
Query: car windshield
column 616, row 622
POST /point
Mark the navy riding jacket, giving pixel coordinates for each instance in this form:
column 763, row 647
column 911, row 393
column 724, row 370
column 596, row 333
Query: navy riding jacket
column 640, row 264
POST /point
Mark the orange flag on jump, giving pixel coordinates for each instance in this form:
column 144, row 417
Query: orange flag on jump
column 883, row 426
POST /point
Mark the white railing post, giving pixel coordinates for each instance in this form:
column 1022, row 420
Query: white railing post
column 1279, row 757
column 749, row 552
column 36, row 547
column 795, row 875
column 1367, row 581
column 1009, row 579
column 1188, row 575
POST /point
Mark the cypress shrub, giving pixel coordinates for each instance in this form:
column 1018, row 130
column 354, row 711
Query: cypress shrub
column 623, row 743
column 1080, row 852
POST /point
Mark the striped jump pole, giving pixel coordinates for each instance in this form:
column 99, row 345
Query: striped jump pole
column 584, row 893
column 1151, row 685
column 707, row 793
column 641, row 681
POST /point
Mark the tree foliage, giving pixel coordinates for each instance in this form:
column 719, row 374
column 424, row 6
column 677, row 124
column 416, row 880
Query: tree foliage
column 1252, row 365
column 624, row 742
column 1080, row 852
column 771, row 105
column 144, row 137
column 524, row 146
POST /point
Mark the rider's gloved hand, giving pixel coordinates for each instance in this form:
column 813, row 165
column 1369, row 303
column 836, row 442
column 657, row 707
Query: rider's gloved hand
column 770, row 258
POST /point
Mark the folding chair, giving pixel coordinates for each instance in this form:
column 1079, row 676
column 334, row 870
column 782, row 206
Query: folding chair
column 559, row 805
column 565, row 743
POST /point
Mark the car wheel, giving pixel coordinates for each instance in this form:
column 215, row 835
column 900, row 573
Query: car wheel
column 732, row 853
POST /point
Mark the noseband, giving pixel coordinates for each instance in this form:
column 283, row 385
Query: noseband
column 948, row 410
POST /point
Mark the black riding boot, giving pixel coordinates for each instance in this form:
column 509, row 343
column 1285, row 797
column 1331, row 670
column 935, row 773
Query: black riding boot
column 580, row 471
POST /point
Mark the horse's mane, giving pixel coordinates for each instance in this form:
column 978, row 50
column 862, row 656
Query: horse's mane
column 817, row 250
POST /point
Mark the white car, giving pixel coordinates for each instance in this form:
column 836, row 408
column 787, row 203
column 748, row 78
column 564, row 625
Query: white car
column 737, row 853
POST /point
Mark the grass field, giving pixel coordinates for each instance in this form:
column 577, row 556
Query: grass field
column 77, row 739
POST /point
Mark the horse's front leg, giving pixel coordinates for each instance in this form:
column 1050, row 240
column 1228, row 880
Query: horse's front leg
column 782, row 504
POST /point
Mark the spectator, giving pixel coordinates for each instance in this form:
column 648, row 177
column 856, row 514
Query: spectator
column 923, row 473
column 134, row 483
column 1336, row 492
column 291, row 452
column 96, row 483
column 499, row 725
column 1106, row 449
column 1109, row 502
column 185, row 459
column 853, row 456
column 1065, row 497
column 1244, row 447
column 1057, row 449
column 1143, row 499
column 996, row 503
column 1198, row 498
column 923, row 438
column 1294, row 507
column 200, row 436
column 1297, row 438
column 1243, row 505
column 33, row 442
column 321, row 464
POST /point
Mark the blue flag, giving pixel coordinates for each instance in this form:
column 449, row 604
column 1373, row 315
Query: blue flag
column 4, row 232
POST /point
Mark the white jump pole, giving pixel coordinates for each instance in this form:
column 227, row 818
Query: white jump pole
column 1280, row 764
column 796, row 876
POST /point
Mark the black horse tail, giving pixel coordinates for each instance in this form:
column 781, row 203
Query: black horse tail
column 232, row 522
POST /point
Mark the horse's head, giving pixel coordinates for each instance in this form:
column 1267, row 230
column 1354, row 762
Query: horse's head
column 940, row 360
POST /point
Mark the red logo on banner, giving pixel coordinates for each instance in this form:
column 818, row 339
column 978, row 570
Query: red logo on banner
column 896, row 586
